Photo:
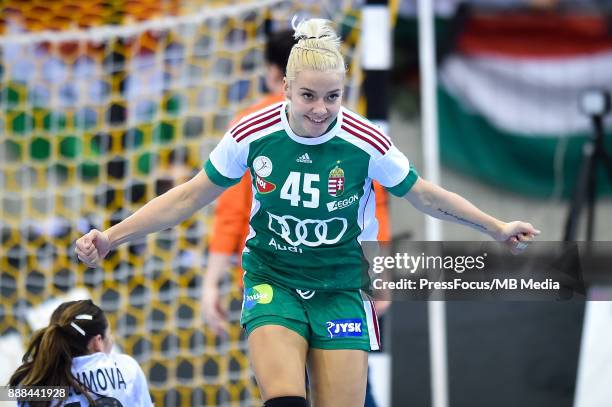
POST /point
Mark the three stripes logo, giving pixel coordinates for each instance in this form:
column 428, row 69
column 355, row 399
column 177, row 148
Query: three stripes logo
column 304, row 159
column 254, row 124
column 366, row 132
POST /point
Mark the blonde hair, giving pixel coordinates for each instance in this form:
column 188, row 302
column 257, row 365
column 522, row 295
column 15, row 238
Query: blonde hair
column 317, row 48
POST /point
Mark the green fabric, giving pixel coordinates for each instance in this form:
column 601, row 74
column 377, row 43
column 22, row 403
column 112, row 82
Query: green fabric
column 217, row 178
column 316, row 318
column 403, row 187
column 521, row 163
column 299, row 327
column 300, row 249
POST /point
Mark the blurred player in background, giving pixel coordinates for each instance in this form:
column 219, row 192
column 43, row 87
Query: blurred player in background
column 74, row 351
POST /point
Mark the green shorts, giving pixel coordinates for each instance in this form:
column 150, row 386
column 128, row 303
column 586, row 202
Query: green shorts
column 326, row 319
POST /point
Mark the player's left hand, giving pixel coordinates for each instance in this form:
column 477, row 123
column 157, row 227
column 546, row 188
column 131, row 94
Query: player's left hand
column 517, row 235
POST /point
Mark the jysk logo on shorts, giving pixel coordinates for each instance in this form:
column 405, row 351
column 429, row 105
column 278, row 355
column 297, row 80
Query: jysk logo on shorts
column 341, row 328
column 259, row 294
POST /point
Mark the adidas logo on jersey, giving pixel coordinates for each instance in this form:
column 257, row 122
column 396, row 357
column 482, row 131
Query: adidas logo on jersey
column 304, row 158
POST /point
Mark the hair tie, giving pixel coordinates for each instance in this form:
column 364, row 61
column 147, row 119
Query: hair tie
column 78, row 328
column 305, row 37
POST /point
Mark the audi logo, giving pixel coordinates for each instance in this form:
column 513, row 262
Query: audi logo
column 296, row 231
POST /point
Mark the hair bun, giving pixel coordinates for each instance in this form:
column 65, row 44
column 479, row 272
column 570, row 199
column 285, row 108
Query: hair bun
column 315, row 29
column 317, row 48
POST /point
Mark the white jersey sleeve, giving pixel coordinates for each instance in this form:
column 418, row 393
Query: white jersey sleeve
column 393, row 171
column 139, row 394
column 227, row 162
column 115, row 376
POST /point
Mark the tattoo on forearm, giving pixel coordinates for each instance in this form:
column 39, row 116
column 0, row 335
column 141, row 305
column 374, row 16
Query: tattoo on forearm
column 463, row 220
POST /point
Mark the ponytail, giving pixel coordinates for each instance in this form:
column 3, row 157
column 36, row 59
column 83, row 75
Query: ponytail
column 48, row 359
column 56, row 358
column 30, row 354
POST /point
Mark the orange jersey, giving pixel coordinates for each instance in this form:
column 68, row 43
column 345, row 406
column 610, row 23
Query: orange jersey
column 232, row 213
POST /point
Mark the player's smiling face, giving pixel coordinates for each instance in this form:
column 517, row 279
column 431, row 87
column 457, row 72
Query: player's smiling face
column 315, row 99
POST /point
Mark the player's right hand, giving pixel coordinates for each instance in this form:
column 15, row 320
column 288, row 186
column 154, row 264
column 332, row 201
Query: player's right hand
column 214, row 314
column 92, row 247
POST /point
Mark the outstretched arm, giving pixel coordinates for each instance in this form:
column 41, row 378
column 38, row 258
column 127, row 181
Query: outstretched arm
column 164, row 211
column 442, row 204
column 229, row 229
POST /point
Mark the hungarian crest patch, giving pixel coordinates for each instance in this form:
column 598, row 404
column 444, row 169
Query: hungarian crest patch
column 335, row 182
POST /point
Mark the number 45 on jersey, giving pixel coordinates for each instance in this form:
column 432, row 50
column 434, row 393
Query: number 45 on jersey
column 295, row 187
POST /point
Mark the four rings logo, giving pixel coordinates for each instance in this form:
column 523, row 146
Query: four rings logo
column 309, row 232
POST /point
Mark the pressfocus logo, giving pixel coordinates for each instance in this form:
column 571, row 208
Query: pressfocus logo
column 307, row 232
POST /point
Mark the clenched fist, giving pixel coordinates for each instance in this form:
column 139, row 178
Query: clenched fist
column 92, row 247
column 517, row 235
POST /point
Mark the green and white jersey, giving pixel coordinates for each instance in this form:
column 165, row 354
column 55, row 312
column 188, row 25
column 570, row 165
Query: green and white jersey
column 313, row 201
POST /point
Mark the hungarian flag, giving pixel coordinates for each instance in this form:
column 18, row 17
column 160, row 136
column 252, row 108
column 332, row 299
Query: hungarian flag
column 509, row 98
